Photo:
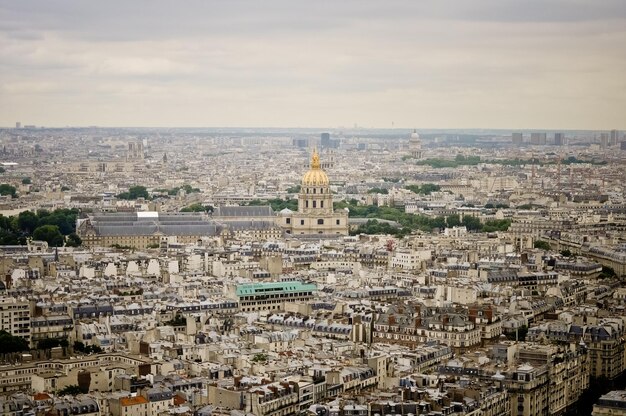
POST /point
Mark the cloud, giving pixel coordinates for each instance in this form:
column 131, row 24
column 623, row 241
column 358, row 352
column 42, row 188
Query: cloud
column 486, row 63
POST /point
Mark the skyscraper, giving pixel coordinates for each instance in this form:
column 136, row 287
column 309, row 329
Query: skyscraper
column 614, row 137
column 517, row 138
column 604, row 140
column 538, row 138
column 325, row 140
column 559, row 139
column 18, row 125
column 300, row 142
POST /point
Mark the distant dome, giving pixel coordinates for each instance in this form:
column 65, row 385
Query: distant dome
column 414, row 135
column 315, row 176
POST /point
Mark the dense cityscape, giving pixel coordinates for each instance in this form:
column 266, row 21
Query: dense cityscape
column 312, row 208
column 292, row 271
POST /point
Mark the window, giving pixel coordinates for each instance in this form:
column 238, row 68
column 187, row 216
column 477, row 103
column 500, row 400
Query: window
column 321, row 204
column 320, row 221
column 338, row 222
column 301, row 222
column 288, row 220
column 314, row 204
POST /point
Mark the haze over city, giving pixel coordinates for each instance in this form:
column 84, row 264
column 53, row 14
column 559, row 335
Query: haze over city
column 438, row 64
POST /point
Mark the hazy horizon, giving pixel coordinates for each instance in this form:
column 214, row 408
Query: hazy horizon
column 451, row 64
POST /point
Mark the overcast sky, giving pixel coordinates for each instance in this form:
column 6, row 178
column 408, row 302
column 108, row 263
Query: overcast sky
column 425, row 64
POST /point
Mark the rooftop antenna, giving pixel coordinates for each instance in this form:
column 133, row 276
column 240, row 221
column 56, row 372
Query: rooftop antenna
column 558, row 173
column 571, row 177
column 532, row 175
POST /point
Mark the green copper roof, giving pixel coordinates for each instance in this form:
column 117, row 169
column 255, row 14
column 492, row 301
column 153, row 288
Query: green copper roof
column 274, row 287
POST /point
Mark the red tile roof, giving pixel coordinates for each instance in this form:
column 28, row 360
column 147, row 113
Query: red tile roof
column 41, row 396
column 133, row 401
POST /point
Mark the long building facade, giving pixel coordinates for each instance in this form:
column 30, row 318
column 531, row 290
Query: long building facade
column 144, row 229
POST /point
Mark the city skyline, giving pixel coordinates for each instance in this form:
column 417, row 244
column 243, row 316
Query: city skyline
column 543, row 65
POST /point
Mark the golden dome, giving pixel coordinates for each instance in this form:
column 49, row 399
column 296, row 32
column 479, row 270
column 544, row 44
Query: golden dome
column 315, row 176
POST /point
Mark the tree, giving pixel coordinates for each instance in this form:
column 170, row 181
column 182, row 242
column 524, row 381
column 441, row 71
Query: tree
column 72, row 390
column 429, row 188
column 277, row 204
column 519, row 334
column 27, row 221
column 453, row 220
column 188, row 189
column 378, row 191
column 94, row 349
column 425, row 189
column 413, row 188
column 65, row 219
column 197, row 207
column 472, row 223
column 89, row 349
column 178, row 320
column 6, row 189
column 73, row 240
column 2, row 170
column 10, row 344
column 135, row 192
column 50, row 234
column 542, row 245
column 259, row 357
column 496, row 225
column 566, row 253
column 48, row 343
column 607, row 272
column 26, row 181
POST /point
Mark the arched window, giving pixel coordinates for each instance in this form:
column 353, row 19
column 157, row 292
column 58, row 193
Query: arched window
column 320, row 221
column 314, row 204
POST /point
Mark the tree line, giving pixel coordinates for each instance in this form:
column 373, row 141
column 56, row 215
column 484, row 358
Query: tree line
column 140, row 191
column 461, row 160
column 56, row 227
column 413, row 222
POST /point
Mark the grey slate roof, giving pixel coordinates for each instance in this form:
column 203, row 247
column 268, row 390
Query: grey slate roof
column 244, row 211
column 181, row 224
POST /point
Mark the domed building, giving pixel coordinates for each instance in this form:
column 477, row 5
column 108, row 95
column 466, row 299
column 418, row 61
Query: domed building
column 415, row 145
column 315, row 214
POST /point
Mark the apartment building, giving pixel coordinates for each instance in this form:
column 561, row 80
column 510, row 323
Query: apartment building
column 272, row 296
column 15, row 317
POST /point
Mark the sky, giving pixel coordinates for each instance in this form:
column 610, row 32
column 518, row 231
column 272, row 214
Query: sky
column 529, row 64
